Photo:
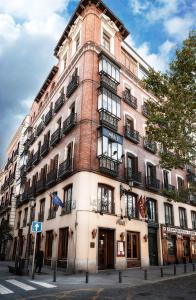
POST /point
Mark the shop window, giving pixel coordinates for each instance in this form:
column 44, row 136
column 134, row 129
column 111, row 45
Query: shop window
column 182, row 217
column 67, row 199
column 105, row 199
column 151, row 210
column 131, row 210
column 106, row 66
column 109, row 101
column 106, row 41
column 171, row 245
column 168, row 214
column 193, row 218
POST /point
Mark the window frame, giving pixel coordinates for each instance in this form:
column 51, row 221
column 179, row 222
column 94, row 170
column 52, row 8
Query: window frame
column 182, row 221
column 110, row 206
column 169, row 218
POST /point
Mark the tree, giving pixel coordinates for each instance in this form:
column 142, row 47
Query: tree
column 5, row 235
column 172, row 119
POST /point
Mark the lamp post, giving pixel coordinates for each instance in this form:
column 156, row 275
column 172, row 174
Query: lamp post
column 28, row 246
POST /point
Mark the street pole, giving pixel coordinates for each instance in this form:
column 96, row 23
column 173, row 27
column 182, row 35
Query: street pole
column 33, row 262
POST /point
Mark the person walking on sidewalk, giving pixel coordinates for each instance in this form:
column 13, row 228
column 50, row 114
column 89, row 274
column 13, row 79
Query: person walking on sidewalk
column 39, row 260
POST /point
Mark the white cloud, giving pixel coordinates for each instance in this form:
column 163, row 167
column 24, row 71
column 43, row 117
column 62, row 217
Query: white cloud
column 9, row 31
column 164, row 10
column 178, row 27
column 138, row 7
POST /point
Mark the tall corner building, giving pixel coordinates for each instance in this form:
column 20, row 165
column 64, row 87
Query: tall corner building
column 87, row 143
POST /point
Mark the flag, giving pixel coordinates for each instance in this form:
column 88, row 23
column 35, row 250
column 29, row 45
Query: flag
column 141, row 206
column 57, row 201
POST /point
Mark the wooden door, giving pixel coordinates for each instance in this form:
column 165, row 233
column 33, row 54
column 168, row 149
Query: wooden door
column 133, row 249
column 106, row 249
column 152, row 244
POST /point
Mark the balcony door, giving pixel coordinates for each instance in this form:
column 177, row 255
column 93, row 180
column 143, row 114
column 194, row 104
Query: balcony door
column 106, row 249
column 151, row 173
column 132, row 165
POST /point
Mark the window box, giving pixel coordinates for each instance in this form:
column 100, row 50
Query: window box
column 150, row 146
column 59, row 103
column 72, row 86
column 55, row 137
column 69, row 123
column 132, row 134
column 130, row 99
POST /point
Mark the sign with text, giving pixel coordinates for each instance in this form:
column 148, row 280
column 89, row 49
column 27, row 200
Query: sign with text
column 179, row 231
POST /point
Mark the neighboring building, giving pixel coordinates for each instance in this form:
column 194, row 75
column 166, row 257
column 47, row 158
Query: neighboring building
column 87, row 142
column 10, row 185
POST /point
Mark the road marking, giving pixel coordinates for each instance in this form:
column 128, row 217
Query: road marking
column 44, row 284
column 4, row 290
column 21, row 285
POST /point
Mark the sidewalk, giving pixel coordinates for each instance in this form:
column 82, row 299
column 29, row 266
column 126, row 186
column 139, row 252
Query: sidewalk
column 130, row 277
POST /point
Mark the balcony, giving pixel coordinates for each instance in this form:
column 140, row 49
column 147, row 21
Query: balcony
column 36, row 158
column 23, row 171
column 40, row 128
column 130, row 99
column 40, row 185
column 55, row 137
column 48, row 117
column 32, row 191
column 109, row 120
column 45, row 148
column 72, row 86
column 25, row 196
column 150, row 146
column 32, row 138
column 193, row 198
column 41, row 216
column 107, row 82
column 145, row 110
column 108, row 165
column 51, row 177
column 29, row 164
column 26, row 147
column 59, row 103
column 69, row 123
column 134, row 176
column 51, row 213
column 152, row 184
column 183, row 195
column 65, row 168
column 169, row 190
column 132, row 135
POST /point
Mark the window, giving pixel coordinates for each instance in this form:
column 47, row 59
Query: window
column 131, row 210
column 142, row 72
column 109, row 101
column 110, row 144
column 180, row 182
column 168, row 214
column 105, row 199
column 67, row 200
column 132, row 165
column 133, row 245
column 193, row 218
column 171, row 245
column 49, row 243
column 106, row 66
column 182, row 217
column 151, row 210
column 65, row 61
column 77, row 41
column 106, row 41
column 72, row 109
column 129, row 62
column 69, row 154
column 25, row 217
column 42, row 210
column 166, row 179
column 151, row 173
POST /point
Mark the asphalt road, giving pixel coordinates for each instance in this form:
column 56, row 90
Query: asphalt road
column 183, row 288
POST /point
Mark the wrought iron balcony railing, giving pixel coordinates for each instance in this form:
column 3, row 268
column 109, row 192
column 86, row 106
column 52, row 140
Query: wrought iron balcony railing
column 32, row 138
column 152, row 183
column 55, row 137
column 31, row 191
column 51, row 177
column 130, row 99
column 36, row 158
column 134, row 176
column 48, row 117
column 107, row 82
column 150, row 146
column 65, row 168
column 132, row 134
column 45, row 148
column 40, row 128
column 40, row 185
column 72, row 86
column 29, row 164
column 108, row 165
column 51, row 213
column 59, row 103
column 69, row 123
column 109, row 120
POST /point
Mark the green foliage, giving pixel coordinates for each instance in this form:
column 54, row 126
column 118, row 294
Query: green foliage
column 172, row 119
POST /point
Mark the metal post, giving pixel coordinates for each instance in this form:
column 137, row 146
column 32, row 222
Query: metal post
column 54, row 271
column 185, row 269
column 193, row 267
column 33, row 262
column 145, row 275
column 120, row 276
column 87, row 275
column 161, row 269
column 174, row 269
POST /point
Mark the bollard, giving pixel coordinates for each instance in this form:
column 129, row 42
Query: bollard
column 174, row 269
column 161, row 272
column 145, row 275
column 120, row 276
column 193, row 267
column 185, row 269
column 87, row 275
column 54, row 274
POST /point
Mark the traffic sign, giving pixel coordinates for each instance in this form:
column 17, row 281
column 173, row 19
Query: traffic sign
column 36, row 226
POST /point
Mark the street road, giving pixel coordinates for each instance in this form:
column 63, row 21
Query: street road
column 18, row 288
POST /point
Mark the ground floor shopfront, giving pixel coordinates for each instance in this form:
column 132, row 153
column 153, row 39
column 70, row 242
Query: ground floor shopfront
column 179, row 245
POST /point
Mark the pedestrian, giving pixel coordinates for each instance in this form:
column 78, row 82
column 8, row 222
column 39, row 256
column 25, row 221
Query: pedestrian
column 39, row 260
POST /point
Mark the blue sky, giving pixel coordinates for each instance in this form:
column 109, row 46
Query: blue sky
column 29, row 31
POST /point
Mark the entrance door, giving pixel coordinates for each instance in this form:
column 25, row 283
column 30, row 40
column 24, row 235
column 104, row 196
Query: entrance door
column 186, row 244
column 133, row 249
column 106, row 249
column 152, row 244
